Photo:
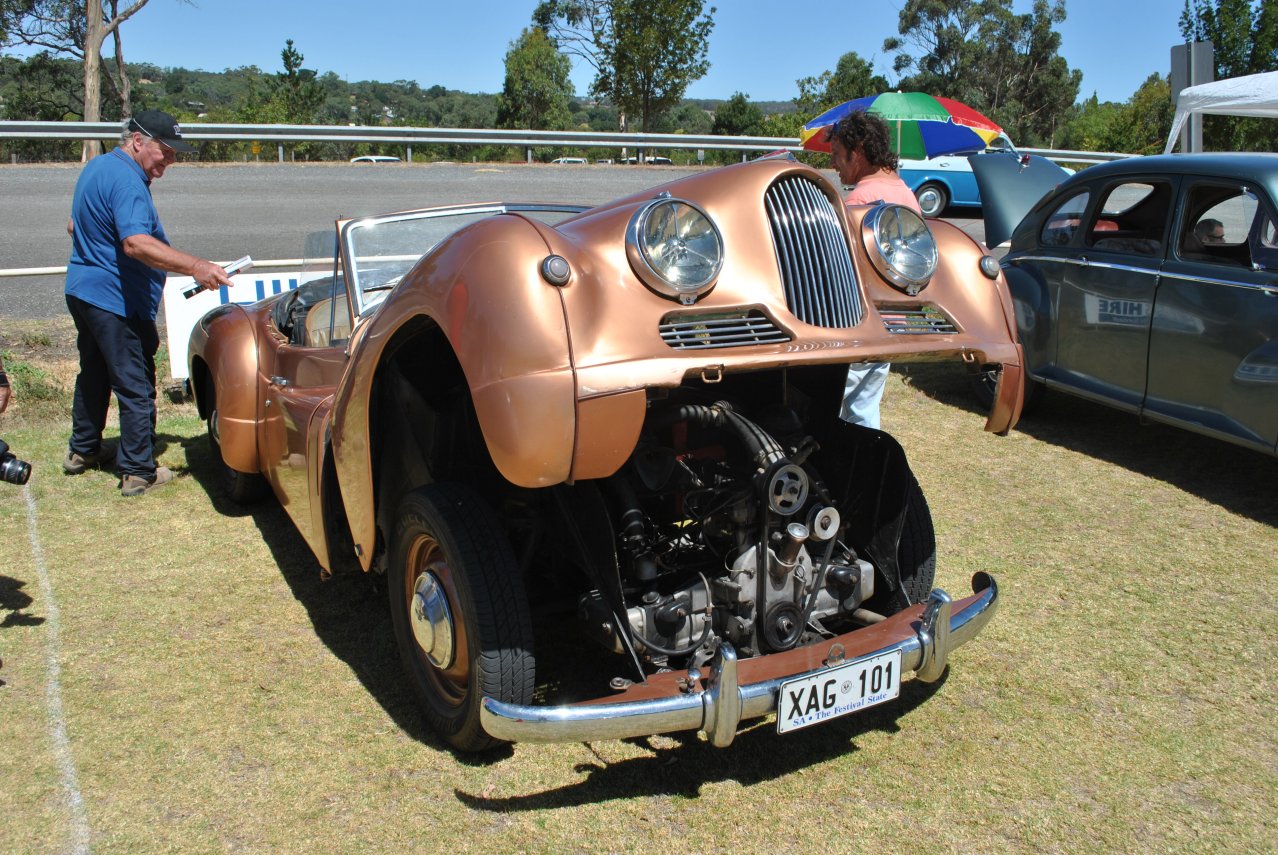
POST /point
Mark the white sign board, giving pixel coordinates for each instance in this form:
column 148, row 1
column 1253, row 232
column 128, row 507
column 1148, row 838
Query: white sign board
column 181, row 314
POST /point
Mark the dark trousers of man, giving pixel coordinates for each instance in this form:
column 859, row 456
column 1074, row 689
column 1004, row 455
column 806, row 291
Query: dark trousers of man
column 116, row 355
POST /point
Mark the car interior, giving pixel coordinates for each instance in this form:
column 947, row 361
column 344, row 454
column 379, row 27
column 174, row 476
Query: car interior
column 1223, row 224
column 1132, row 218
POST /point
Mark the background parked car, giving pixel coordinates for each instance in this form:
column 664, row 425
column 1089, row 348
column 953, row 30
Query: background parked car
column 375, row 158
column 1151, row 284
column 569, row 160
column 939, row 182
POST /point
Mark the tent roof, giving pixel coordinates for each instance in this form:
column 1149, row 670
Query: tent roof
column 1252, row 95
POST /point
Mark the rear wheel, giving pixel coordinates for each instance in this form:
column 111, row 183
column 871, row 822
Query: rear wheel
column 932, row 199
column 459, row 611
column 243, row 488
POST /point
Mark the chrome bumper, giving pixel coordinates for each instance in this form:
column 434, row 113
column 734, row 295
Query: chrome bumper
column 925, row 639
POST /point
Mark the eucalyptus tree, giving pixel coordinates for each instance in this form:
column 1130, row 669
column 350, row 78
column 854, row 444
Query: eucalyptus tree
column 645, row 53
column 1006, row 65
column 77, row 28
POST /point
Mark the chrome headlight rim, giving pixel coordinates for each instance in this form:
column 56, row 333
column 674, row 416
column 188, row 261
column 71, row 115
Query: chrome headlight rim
column 649, row 268
column 901, row 230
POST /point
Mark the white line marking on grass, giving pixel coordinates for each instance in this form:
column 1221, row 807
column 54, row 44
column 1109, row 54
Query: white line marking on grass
column 53, row 690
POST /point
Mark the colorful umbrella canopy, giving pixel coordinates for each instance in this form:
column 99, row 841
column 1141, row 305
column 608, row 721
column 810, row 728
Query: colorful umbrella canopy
column 919, row 125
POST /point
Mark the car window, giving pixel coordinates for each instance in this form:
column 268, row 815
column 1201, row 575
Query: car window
column 1218, row 224
column 1132, row 218
column 1062, row 225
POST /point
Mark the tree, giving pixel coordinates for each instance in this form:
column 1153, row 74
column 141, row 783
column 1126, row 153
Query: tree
column 737, row 117
column 1005, row 65
column 853, row 77
column 1245, row 37
column 645, row 53
column 537, row 91
column 295, row 88
column 77, row 28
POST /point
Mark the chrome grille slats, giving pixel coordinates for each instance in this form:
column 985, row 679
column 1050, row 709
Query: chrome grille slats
column 924, row 320
column 812, row 254
column 696, row 332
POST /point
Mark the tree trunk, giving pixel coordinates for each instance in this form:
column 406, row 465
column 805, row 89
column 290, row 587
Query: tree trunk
column 94, row 34
column 125, row 87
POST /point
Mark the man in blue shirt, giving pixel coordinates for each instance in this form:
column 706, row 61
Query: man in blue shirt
column 115, row 279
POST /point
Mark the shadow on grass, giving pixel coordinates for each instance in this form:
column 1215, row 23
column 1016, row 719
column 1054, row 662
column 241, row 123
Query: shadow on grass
column 756, row 755
column 1232, row 477
column 348, row 611
column 13, row 600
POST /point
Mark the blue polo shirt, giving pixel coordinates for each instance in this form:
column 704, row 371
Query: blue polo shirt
column 112, row 202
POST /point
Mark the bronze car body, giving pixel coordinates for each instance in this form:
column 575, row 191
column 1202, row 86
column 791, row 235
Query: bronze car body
column 528, row 412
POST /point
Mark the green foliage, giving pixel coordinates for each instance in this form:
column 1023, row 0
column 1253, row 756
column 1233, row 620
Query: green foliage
column 1003, row 64
column 853, row 77
column 537, row 90
column 645, row 52
column 1245, row 38
column 738, row 118
column 1138, row 126
column 33, row 386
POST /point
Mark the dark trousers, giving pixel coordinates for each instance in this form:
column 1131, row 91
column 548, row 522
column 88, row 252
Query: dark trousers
column 116, row 355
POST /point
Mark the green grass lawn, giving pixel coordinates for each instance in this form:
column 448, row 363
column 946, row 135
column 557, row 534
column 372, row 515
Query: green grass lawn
column 215, row 695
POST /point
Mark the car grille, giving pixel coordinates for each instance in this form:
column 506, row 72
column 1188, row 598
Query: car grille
column 737, row 329
column 812, row 254
column 924, row 320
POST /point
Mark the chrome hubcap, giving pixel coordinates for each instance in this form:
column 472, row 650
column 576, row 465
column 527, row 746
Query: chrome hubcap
column 432, row 620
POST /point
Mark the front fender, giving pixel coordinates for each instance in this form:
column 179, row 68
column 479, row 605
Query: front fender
column 506, row 326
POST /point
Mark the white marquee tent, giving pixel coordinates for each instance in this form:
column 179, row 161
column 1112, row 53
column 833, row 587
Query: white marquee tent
column 1253, row 95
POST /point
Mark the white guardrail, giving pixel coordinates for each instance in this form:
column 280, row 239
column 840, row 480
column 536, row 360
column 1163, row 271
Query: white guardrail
column 460, row 136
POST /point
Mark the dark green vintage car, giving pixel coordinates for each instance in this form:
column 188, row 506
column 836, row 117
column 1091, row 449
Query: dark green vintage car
column 1150, row 284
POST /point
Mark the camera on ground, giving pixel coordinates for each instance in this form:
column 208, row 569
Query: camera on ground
column 12, row 469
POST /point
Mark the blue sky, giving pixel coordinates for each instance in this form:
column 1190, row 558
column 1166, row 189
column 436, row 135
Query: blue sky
column 759, row 48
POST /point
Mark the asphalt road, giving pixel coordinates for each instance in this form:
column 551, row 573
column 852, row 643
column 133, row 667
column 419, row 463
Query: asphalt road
column 225, row 211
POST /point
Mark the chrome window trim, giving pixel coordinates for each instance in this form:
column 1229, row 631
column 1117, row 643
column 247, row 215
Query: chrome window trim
column 1191, row 277
column 354, row 289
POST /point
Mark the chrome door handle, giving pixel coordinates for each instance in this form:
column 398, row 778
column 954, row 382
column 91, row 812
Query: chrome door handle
column 278, row 380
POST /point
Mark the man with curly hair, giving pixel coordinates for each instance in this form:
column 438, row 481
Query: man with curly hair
column 862, row 155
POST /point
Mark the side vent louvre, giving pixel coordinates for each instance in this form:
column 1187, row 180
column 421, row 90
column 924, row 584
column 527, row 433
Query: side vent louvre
column 923, row 320
column 737, row 329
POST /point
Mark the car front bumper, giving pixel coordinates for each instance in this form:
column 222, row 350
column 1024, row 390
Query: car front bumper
column 734, row 691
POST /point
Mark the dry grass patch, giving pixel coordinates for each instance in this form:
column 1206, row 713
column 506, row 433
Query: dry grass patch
column 219, row 697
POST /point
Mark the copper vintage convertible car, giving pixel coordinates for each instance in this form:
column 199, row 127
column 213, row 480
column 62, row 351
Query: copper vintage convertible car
column 546, row 423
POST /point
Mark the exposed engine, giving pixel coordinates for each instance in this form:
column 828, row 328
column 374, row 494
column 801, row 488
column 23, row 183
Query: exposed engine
column 724, row 532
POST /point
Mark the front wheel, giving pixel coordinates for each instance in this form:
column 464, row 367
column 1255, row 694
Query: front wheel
column 459, row 611
column 984, row 385
column 916, row 553
column 932, row 199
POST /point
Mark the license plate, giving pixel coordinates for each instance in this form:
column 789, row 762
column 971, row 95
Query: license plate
column 838, row 691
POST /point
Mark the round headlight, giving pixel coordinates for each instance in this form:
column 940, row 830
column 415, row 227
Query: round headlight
column 675, row 248
column 901, row 247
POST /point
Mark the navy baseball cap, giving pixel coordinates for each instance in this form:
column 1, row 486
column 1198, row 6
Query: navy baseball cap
column 159, row 125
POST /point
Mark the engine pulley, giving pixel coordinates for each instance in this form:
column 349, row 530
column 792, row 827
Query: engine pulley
column 782, row 626
column 787, row 489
